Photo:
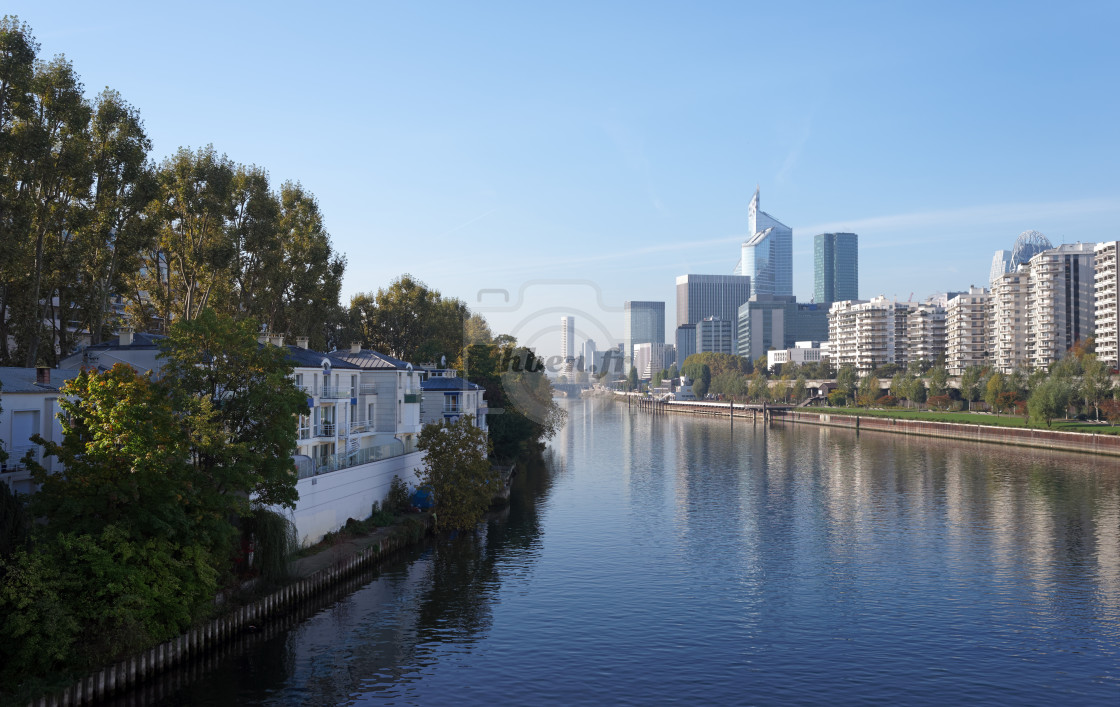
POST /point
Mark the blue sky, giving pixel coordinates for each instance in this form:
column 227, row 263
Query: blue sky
column 590, row 153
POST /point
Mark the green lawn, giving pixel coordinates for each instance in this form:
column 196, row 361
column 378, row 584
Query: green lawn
column 974, row 418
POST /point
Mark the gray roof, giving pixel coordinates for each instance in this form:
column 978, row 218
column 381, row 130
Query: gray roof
column 441, row 383
column 22, row 380
column 368, row 359
column 306, row 358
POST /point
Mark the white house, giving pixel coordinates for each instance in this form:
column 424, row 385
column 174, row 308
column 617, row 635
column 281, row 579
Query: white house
column 447, row 397
column 29, row 398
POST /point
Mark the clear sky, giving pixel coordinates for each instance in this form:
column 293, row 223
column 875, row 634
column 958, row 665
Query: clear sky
column 501, row 146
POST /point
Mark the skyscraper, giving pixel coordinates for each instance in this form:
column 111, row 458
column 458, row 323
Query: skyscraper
column 835, row 267
column 568, row 345
column 644, row 323
column 703, row 296
column 767, row 256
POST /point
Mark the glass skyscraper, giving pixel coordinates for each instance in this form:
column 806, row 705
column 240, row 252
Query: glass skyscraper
column 767, row 256
column 644, row 323
column 836, row 268
column 703, row 296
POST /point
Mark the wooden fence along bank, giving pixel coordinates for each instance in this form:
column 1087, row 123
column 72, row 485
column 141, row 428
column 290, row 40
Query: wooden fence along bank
column 1026, row 437
column 202, row 641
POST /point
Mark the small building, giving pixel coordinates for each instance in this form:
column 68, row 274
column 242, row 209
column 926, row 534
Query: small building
column 29, row 398
column 447, row 397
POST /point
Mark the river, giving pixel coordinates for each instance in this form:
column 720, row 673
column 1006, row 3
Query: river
column 665, row 559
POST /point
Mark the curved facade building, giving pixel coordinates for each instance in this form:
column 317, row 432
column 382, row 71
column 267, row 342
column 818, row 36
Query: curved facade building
column 767, row 256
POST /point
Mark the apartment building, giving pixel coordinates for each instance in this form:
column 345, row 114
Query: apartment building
column 868, row 334
column 1007, row 320
column 1107, row 302
column 966, row 330
column 925, row 333
column 1060, row 302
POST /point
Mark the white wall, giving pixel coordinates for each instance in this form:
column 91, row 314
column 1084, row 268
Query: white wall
column 328, row 500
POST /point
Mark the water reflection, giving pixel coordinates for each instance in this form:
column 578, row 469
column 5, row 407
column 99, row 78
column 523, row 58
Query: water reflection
column 645, row 555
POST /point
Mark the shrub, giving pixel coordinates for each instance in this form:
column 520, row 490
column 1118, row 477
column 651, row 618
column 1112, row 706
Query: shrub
column 940, row 402
column 397, row 500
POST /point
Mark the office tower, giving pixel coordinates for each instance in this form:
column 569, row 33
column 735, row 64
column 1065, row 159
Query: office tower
column 767, row 255
column 1107, row 315
column 686, row 342
column 643, row 323
column 568, row 346
column 701, row 296
column 835, row 267
column 591, row 363
column 966, row 330
column 1027, row 245
column 869, row 334
column 715, row 335
column 768, row 322
column 1060, row 302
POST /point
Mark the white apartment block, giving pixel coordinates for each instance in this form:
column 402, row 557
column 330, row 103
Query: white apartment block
column 966, row 330
column 1060, row 302
column 925, row 333
column 1007, row 324
column 1107, row 315
column 868, row 334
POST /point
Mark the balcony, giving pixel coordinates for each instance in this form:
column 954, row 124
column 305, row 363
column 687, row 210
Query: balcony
column 327, row 429
column 412, row 397
column 359, row 426
column 367, row 389
column 16, row 454
column 336, row 392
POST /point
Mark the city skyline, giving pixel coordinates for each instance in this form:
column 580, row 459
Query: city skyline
column 630, row 165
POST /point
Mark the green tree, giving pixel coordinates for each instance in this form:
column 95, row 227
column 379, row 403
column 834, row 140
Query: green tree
column 800, row 389
column 916, row 390
column 759, row 388
column 700, row 375
column 1096, row 383
column 674, row 372
column 972, row 383
column 241, row 406
column 514, row 380
column 938, row 381
column 729, row 383
column 410, row 321
column 1050, row 399
column 126, row 457
column 994, row 387
column 458, row 472
column 869, row 390
column 632, row 379
column 846, row 380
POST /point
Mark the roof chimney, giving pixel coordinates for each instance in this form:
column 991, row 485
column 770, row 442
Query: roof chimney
column 277, row 340
column 42, row 375
column 125, row 337
column 301, row 342
column 355, row 347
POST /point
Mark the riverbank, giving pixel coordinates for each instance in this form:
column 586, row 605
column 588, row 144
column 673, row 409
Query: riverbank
column 309, row 577
column 1084, row 442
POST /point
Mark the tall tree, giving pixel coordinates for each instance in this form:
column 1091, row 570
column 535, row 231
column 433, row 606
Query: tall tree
column 410, row 321
column 194, row 253
column 458, row 471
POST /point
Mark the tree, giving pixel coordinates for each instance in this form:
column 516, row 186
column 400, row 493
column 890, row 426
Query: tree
column 515, row 382
column 992, row 390
column 411, row 322
column 938, row 381
column 972, row 383
column 674, row 372
column 700, row 375
column 458, row 472
column 477, row 331
column 800, row 389
column 241, row 406
column 916, row 390
column 127, row 460
column 1096, row 383
column 846, row 380
column 1050, row 399
column 728, row 383
column 632, row 379
column 759, row 388
column 869, row 389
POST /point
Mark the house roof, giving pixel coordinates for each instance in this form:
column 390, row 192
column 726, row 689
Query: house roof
column 367, row 359
column 22, row 380
column 306, row 358
column 140, row 342
column 456, row 383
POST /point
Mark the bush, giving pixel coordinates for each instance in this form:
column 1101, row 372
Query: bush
column 887, row 401
column 940, row 402
column 382, row 516
column 276, row 541
column 397, row 500
column 837, row 398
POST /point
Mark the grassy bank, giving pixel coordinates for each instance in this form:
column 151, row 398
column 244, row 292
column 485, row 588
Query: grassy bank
column 975, row 418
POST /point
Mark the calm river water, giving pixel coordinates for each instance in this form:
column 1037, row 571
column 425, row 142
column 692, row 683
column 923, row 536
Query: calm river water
column 682, row 560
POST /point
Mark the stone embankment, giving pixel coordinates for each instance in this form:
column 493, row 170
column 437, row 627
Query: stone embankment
column 1025, row 437
column 312, row 576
